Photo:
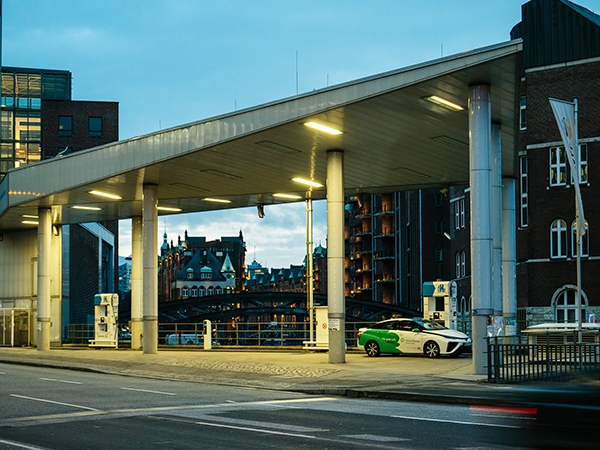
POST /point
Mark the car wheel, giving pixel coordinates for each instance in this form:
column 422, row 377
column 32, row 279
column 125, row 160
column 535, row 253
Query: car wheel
column 431, row 349
column 372, row 348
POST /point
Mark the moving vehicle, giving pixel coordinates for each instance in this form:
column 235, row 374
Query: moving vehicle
column 412, row 336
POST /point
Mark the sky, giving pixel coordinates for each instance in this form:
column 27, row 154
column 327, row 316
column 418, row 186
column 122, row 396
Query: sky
column 171, row 62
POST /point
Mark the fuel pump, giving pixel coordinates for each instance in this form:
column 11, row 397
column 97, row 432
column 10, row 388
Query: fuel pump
column 106, row 313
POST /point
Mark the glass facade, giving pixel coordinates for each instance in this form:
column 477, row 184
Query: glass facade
column 22, row 94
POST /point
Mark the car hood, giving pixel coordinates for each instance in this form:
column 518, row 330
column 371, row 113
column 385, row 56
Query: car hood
column 451, row 334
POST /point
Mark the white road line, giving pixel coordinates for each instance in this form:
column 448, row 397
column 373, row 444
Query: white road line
column 60, row 381
column 148, row 391
column 56, row 403
column 221, row 425
column 21, row 445
column 258, row 424
column 456, row 421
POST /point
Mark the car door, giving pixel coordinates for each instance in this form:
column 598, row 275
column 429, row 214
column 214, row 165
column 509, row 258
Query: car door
column 410, row 340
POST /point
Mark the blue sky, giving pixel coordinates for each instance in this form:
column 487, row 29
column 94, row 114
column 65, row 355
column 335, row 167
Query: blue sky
column 171, row 62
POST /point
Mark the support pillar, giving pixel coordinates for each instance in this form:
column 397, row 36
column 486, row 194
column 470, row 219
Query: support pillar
column 43, row 278
column 309, row 267
column 497, row 227
column 150, row 268
column 136, row 327
column 335, row 257
column 509, row 257
column 480, row 175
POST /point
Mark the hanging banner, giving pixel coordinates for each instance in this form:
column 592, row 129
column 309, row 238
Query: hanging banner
column 564, row 112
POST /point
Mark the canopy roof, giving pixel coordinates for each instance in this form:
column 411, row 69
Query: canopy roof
column 392, row 138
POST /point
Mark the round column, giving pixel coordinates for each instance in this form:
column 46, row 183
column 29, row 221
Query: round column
column 136, row 327
column 150, row 268
column 43, row 278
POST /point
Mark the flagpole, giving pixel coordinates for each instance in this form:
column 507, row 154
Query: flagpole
column 577, row 219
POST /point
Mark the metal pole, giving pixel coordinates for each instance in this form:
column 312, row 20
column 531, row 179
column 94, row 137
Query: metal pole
column 577, row 180
column 309, row 265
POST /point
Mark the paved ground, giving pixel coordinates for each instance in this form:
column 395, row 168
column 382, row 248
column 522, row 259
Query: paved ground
column 447, row 380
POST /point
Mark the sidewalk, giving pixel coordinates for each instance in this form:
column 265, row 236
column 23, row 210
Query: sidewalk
column 444, row 380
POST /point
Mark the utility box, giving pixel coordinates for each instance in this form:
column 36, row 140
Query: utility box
column 106, row 315
column 321, row 341
column 439, row 303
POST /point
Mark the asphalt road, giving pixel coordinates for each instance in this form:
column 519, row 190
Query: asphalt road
column 43, row 408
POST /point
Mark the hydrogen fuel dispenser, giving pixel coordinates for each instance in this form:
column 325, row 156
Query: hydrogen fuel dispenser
column 106, row 315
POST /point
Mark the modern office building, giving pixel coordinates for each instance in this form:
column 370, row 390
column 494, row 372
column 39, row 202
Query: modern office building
column 40, row 121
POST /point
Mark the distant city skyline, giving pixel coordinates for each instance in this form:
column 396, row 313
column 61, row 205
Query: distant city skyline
column 168, row 63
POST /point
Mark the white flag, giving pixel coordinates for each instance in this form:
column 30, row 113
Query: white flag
column 564, row 112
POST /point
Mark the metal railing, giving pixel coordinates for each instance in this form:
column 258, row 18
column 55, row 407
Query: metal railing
column 514, row 359
column 242, row 334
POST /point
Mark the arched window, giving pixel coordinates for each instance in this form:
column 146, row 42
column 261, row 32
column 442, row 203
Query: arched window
column 463, row 264
column 218, row 290
column 184, row 292
column 584, row 245
column 565, row 306
column 194, row 292
column 202, row 291
column 558, row 239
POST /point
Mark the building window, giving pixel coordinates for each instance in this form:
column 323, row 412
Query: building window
column 523, row 113
column 558, row 239
column 439, row 226
column 211, row 291
column 558, row 166
column 524, row 186
column 462, row 212
column 463, row 264
column 457, row 259
column 584, row 244
column 583, row 164
column 205, row 275
column 194, row 292
column 457, row 215
column 65, row 126
column 190, row 275
column 95, row 126
column 439, row 254
column 439, row 199
column 565, row 304
column 184, row 292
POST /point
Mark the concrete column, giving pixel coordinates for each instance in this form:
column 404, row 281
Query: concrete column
column 136, row 283
column 335, row 257
column 497, row 226
column 480, row 174
column 43, row 278
column 509, row 257
column 150, row 268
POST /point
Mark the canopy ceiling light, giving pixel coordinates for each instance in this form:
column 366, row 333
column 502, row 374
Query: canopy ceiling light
column 287, row 196
column 105, row 194
column 443, row 102
column 307, row 182
column 216, row 200
column 30, row 222
column 168, row 209
column 323, row 128
column 87, row 208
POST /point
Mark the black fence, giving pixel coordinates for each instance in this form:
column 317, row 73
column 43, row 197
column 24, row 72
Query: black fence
column 515, row 359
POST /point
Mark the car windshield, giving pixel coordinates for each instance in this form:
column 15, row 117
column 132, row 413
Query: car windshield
column 430, row 325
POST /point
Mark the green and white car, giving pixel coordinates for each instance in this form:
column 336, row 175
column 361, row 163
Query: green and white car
column 412, row 336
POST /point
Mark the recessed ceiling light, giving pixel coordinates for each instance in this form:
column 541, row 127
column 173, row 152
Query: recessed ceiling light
column 30, row 222
column 87, row 208
column 289, row 196
column 29, row 216
column 307, row 182
column 105, row 194
column 443, row 102
column 217, row 200
column 168, row 208
column 324, row 128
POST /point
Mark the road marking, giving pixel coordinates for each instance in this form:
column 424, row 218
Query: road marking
column 148, row 391
column 281, row 433
column 259, row 424
column 374, row 437
column 52, row 401
column 456, row 421
column 60, row 381
column 21, row 445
